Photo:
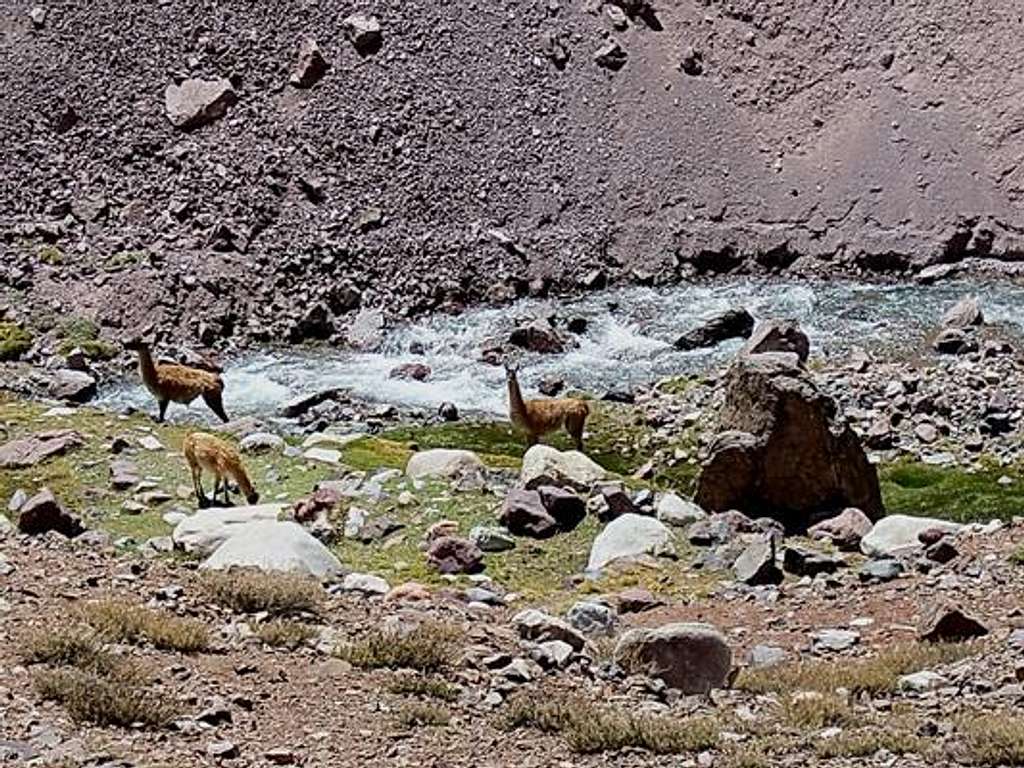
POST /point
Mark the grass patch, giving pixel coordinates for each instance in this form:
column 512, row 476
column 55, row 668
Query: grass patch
column 877, row 674
column 993, row 738
column 813, row 710
column 419, row 714
column 1017, row 556
column 50, row 254
column 426, row 687
column 913, row 488
column 118, row 621
column 373, row 453
column 74, row 648
column 247, row 590
column 589, row 729
column 430, row 647
column 866, row 742
column 15, row 341
column 82, row 333
column 282, row 633
column 119, row 696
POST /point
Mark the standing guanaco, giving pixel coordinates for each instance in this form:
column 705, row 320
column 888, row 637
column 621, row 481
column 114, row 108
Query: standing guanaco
column 206, row 452
column 169, row 382
column 538, row 417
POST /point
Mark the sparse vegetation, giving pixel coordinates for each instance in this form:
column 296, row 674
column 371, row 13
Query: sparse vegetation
column 251, row 591
column 876, row 674
column 77, row 647
column 428, row 687
column 51, row 254
column 429, row 647
column 868, row 741
column 82, row 333
column 811, row 710
column 914, row 488
column 119, row 696
column 993, row 738
column 420, row 714
column 119, row 621
column 283, row 633
column 15, row 341
column 590, row 729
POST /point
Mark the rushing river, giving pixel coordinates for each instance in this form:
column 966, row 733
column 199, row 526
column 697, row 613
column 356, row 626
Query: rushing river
column 628, row 342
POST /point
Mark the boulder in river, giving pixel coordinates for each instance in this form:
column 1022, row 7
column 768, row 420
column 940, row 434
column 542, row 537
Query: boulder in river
column 778, row 336
column 734, row 323
column 964, row 314
column 782, row 450
column 538, row 336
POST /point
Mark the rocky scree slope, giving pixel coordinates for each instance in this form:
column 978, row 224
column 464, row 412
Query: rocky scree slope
column 485, row 151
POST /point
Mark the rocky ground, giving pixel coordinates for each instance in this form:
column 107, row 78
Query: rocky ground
column 411, row 157
column 465, row 604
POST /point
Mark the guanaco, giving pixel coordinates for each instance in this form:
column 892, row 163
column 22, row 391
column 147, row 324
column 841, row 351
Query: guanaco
column 536, row 418
column 169, row 382
column 206, row 452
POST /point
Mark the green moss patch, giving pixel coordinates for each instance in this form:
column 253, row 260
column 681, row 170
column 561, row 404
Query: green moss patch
column 82, row 333
column 15, row 341
column 913, row 488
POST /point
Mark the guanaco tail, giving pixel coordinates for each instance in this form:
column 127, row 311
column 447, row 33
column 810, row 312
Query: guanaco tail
column 537, row 418
column 171, row 382
column 204, row 452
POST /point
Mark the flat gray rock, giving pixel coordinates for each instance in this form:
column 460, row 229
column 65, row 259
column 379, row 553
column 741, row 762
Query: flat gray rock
column 275, row 546
column 629, row 537
column 207, row 529
column 898, row 535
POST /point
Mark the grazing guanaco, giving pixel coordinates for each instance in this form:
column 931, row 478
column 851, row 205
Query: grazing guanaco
column 538, row 417
column 206, row 452
column 169, row 382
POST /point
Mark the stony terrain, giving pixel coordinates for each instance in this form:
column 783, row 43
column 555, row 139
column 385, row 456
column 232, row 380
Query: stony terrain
column 460, row 602
column 210, row 170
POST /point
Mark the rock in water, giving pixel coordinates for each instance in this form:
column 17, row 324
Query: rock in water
column 444, row 463
column 736, row 323
column 272, row 545
column 845, row 530
column 899, row 534
column 543, row 465
column 29, row 451
column 538, row 336
column 778, row 336
column 695, row 658
column 311, row 65
column 42, row 513
column 965, row 314
column 206, row 530
column 627, row 538
column 782, row 450
column 451, row 554
column 947, row 623
column 196, row 103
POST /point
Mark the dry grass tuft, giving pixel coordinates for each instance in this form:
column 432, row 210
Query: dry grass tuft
column 282, row 633
column 589, row 729
column 75, row 648
column 428, row 687
column 814, row 710
column 122, row 622
column 874, row 675
column 421, row 714
column 864, row 743
column 993, row 738
column 430, row 647
column 251, row 591
column 118, row 696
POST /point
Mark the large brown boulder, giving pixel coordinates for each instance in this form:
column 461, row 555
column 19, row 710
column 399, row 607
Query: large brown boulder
column 782, row 450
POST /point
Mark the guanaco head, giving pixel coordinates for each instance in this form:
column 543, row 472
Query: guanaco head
column 134, row 343
column 252, row 497
column 511, row 369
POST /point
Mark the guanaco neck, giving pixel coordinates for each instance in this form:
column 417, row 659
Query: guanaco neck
column 146, row 366
column 516, row 406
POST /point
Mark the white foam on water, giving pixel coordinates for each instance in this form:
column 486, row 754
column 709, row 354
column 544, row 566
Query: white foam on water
column 628, row 342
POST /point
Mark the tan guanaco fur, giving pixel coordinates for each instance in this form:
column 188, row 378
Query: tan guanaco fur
column 537, row 418
column 204, row 452
column 171, row 382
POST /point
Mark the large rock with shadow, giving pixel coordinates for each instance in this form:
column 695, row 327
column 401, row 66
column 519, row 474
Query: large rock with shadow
column 782, row 450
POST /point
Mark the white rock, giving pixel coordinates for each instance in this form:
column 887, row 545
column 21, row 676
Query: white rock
column 627, row 537
column 18, row 499
column 922, row 682
column 258, row 442
column 275, row 546
column 897, row 534
column 6, row 526
column 675, row 510
column 543, row 465
column 323, row 455
column 366, row 583
column 207, row 529
column 443, row 463
column 151, row 443
column 330, row 439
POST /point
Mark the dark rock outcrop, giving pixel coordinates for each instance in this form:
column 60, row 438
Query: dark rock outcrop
column 735, row 323
column 782, row 451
